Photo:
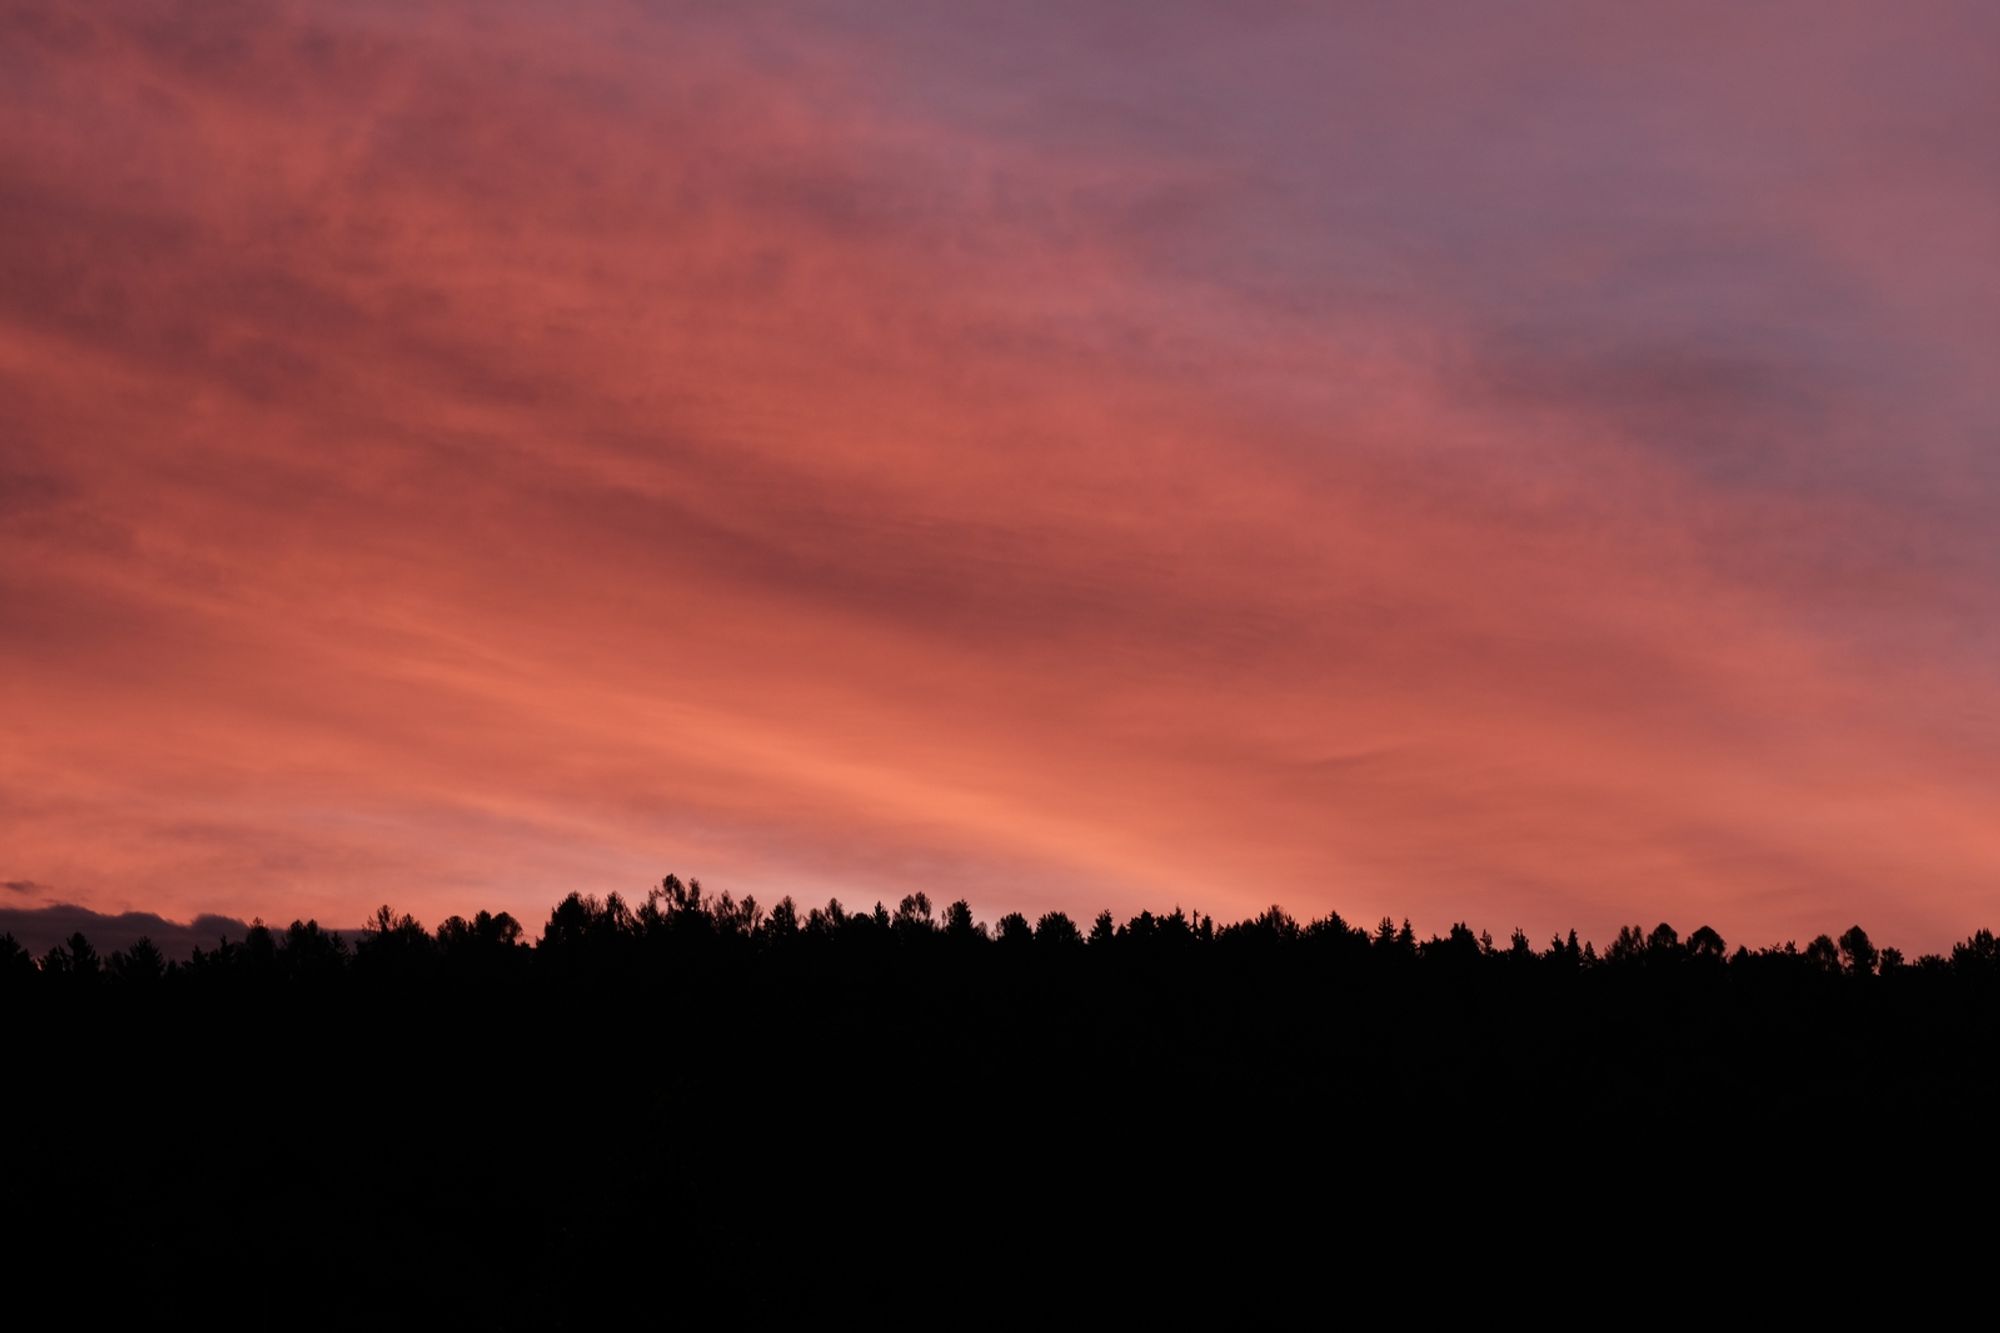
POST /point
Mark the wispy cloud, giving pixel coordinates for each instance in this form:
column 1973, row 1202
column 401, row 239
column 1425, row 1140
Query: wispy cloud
column 1525, row 467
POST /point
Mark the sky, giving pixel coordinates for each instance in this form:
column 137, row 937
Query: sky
column 1534, row 465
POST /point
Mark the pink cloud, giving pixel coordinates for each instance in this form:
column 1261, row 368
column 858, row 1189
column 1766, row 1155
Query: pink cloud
column 462, row 460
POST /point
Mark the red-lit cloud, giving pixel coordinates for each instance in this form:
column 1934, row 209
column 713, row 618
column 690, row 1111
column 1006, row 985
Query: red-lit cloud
column 1524, row 467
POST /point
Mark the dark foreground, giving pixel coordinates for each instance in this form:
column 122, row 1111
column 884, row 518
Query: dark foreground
column 711, row 1104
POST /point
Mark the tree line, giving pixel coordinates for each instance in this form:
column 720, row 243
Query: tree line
column 678, row 922
column 509, row 1123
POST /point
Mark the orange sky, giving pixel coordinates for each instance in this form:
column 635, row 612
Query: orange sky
column 1522, row 464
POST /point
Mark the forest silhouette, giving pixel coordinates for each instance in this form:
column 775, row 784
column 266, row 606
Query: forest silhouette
column 679, row 932
column 467, row 1114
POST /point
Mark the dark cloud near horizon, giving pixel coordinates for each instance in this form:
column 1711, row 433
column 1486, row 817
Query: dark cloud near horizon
column 38, row 929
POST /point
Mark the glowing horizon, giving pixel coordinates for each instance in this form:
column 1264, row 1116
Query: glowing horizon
column 1528, row 468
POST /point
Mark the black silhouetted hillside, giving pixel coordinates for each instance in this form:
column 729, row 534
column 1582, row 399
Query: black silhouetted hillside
column 720, row 1097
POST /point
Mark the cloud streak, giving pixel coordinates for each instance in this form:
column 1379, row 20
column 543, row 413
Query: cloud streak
column 1530, row 475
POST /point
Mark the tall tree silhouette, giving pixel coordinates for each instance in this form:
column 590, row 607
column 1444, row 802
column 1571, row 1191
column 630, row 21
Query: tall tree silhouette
column 1858, row 954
